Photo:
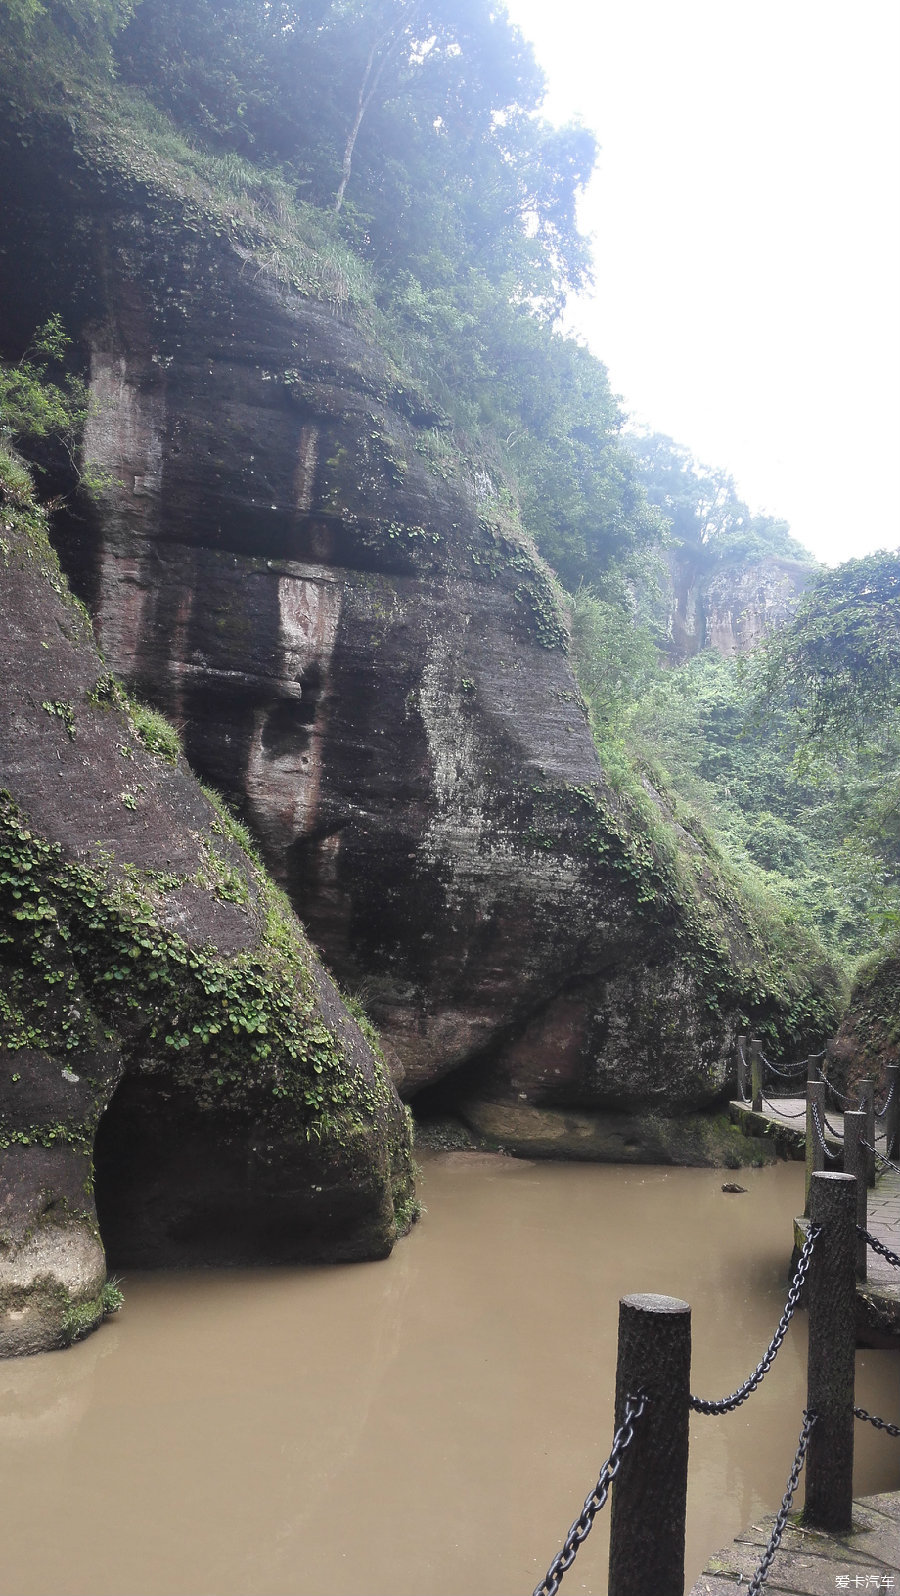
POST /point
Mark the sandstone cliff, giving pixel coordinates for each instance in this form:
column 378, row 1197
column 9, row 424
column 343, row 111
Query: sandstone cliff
column 342, row 616
column 726, row 605
column 171, row 1051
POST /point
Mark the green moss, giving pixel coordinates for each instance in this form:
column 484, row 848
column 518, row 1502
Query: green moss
column 151, row 729
column 226, row 1026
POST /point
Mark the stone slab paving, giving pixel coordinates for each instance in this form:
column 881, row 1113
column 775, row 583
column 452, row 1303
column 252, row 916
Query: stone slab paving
column 809, row 1563
column 879, row 1294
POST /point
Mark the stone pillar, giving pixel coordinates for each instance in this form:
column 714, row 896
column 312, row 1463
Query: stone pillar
column 867, row 1104
column 756, row 1075
column 742, row 1081
column 831, row 1288
column 649, row 1496
column 815, row 1153
column 855, row 1165
column 892, row 1116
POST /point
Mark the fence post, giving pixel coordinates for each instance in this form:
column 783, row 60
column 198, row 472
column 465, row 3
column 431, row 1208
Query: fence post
column 832, row 1352
column 756, row 1075
column 649, row 1495
column 892, row 1117
column 866, row 1091
column 812, row 1068
column 742, row 1067
column 855, row 1165
column 815, row 1152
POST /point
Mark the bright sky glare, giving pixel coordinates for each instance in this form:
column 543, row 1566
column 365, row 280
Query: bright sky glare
column 746, row 219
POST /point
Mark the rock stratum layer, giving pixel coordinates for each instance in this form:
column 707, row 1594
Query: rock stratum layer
column 341, row 616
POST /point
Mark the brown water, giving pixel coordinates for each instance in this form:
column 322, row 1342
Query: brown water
column 425, row 1426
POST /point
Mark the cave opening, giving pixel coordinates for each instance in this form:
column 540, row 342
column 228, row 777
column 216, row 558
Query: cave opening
column 178, row 1184
column 169, row 1182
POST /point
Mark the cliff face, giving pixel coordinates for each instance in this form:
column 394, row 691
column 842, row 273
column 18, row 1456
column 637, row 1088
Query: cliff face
column 730, row 607
column 870, row 1030
column 359, row 649
column 172, row 1053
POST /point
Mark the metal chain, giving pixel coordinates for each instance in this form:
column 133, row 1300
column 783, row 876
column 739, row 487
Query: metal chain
column 786, row 1075
column 833, row 1089
column 838, row 1135
column 880, row 1112
column 768, row 1557
column 879, row 1246
column 788, row 1113
column 880, row 1424
column 581, row 1529
column 881, row 1158
column 728, row 1404
column 821, row 1135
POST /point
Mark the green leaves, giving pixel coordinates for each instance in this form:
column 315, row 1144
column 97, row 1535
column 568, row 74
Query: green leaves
column 837, row 665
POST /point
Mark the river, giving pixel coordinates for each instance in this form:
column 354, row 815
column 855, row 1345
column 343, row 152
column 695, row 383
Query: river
column 424, row 1426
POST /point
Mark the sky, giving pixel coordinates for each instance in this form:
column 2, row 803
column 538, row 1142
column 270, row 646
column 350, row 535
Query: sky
column 745, row 214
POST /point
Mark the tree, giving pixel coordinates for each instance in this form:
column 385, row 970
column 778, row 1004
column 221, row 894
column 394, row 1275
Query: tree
column 705, row 514
column 837, row 664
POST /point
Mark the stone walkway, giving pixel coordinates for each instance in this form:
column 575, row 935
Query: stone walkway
column 809, row 1563
column 879, row 1294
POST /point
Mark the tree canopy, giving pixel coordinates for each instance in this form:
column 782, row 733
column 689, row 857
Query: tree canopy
column 837, row 665
column 705, row 514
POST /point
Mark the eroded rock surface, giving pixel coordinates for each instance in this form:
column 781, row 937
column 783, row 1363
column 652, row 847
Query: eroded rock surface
column 730, row 607
column 295, row 564
column 171, row 1050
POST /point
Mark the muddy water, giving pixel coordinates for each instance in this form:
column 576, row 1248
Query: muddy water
column 426, row 1426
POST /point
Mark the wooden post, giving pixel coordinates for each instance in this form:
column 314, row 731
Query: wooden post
column 892, row 1117
column 742, row 1067
column 866, row 1091
column 756, row 1075
column 855, row 1165
column 815, row 1152
column 832, row 1353
column 649, row 1495
column 812, row 1069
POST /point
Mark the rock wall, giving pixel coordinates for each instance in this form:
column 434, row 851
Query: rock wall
column 171, row 1051
column 730, row 607
column 869, row 1036
column 362, row 652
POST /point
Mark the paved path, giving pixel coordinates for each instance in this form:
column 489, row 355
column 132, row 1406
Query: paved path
column 809, row 1563
column 880, row 1293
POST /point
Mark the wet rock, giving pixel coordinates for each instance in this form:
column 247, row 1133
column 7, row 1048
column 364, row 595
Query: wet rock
column 172, row 1053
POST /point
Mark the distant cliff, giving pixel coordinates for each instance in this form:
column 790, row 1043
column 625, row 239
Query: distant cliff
column 728, row 606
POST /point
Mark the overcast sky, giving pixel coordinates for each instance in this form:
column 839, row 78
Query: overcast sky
column 746, row 218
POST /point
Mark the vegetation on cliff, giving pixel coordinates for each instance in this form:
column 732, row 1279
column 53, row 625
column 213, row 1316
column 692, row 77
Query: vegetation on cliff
column 104, row 952
column 390, row 159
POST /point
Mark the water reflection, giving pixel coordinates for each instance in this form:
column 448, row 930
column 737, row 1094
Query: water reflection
column 424, row 1426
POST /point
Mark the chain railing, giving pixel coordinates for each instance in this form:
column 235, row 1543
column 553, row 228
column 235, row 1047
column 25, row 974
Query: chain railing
column 768, row 1556
column 728, row 1404
column 584, row 1523
column 789, row 1113
column 880, row 1424
column 820, row 1134
column 886, row 1163
column 881, row 1112
column 879, row 1247
column 650, row 1478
